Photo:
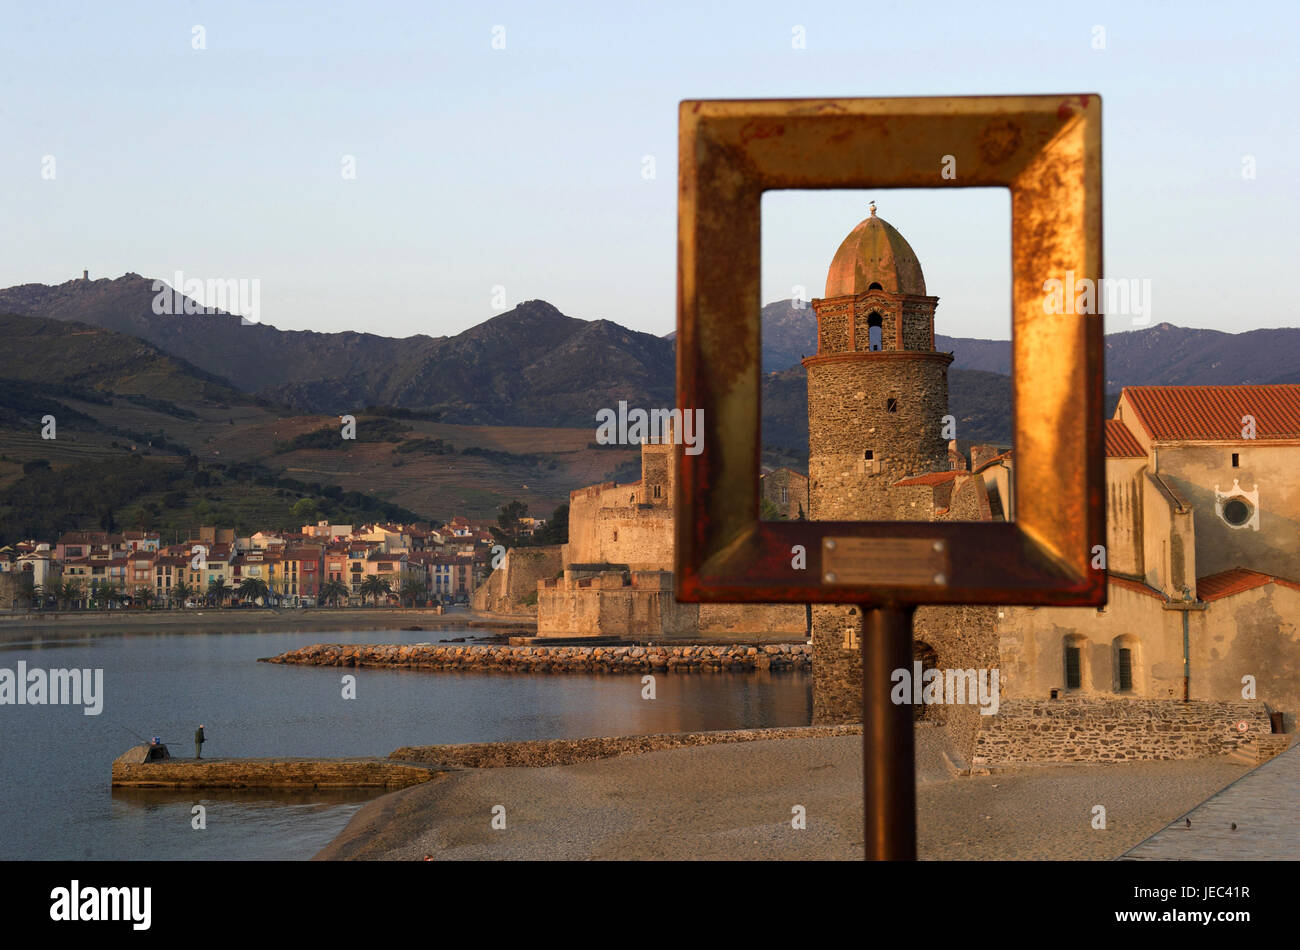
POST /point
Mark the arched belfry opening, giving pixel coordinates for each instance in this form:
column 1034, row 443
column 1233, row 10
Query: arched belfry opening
column 875, row 331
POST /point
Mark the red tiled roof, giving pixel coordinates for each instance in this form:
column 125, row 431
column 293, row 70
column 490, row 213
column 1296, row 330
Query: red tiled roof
column 932, row 478
column 1121, row 443
column 1136, row 586
column 1237, row 580
column 1170, row 413
column 989, row 463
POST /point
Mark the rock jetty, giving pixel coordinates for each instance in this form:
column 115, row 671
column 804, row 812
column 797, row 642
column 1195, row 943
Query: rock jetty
column 734, row 658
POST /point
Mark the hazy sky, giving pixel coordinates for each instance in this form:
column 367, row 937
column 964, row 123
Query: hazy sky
column 522, row 168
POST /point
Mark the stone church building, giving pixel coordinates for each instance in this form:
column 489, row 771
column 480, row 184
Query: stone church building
column 1203, row 526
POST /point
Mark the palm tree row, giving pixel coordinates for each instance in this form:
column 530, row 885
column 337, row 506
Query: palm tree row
column 331, row 592
column 250, row 590
column 376, row 587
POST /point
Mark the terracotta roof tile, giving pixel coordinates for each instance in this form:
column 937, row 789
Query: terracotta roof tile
column 1170, row 413
column 1121, row 443
column 1237, row 580
column 989, row 463
column 932, row 478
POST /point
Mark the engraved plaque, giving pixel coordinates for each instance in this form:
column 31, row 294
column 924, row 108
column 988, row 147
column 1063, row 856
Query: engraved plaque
column 898, row 562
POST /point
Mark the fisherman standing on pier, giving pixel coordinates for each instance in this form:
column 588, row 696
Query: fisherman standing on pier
column 199, row 739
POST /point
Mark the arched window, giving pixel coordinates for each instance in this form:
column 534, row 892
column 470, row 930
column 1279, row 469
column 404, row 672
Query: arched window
column 874, row 285
column 928, row 657
column 875, row 331
column 1125, row 664
column 1075, row 656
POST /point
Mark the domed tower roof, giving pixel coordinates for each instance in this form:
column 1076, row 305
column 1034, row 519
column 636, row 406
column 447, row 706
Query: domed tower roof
column 874, row 253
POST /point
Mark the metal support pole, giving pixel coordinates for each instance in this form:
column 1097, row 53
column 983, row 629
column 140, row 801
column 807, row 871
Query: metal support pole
column 889, row 758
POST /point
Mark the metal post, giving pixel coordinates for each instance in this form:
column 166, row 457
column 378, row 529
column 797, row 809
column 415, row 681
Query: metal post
column 889, row 766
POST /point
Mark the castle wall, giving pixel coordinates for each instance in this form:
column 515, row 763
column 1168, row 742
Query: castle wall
column 607, row 525
column 583, row 546
column 761, row 621
column 510, row 588
column 642, row 605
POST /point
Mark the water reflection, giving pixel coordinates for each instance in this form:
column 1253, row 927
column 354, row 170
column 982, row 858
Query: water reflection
column 55, row 799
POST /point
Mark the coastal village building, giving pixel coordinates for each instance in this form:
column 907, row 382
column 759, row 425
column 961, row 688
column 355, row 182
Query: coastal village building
column 390, row 538
column 1203, row 525
column 211, row 535
column 135, row 568
column 324, row 531
column 450, row 575
column 301, row 578
column 41, row 565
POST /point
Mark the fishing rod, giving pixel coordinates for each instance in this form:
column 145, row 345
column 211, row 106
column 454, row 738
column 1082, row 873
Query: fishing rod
column 134, row 733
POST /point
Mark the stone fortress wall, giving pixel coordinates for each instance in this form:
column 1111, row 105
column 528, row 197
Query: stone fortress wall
column 617, row 579
column 510, row 589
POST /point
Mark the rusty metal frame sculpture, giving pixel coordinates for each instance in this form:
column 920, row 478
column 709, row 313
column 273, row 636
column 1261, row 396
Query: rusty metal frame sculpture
column 1047, row 151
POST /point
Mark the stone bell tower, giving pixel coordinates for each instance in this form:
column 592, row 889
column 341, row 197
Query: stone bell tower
column 877, row 390
column 877, row 395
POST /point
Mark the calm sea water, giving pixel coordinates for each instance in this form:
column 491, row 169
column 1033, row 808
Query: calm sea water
column 55, row 762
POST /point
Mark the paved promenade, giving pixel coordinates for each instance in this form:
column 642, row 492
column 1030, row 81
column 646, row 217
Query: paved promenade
column 735, row 801
column 1264, row 805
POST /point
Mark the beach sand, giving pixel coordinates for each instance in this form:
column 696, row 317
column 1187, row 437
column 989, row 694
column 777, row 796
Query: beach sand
column 737, row 801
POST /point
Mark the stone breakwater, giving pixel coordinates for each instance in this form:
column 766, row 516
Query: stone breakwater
column 270, row 773
column 566, row 659
column 543, row 753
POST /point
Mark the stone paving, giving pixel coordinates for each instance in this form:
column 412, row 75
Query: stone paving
column 1264, row 804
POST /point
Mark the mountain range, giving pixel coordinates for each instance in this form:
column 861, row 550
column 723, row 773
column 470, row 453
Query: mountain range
column 535, row 366
column 531, row 366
